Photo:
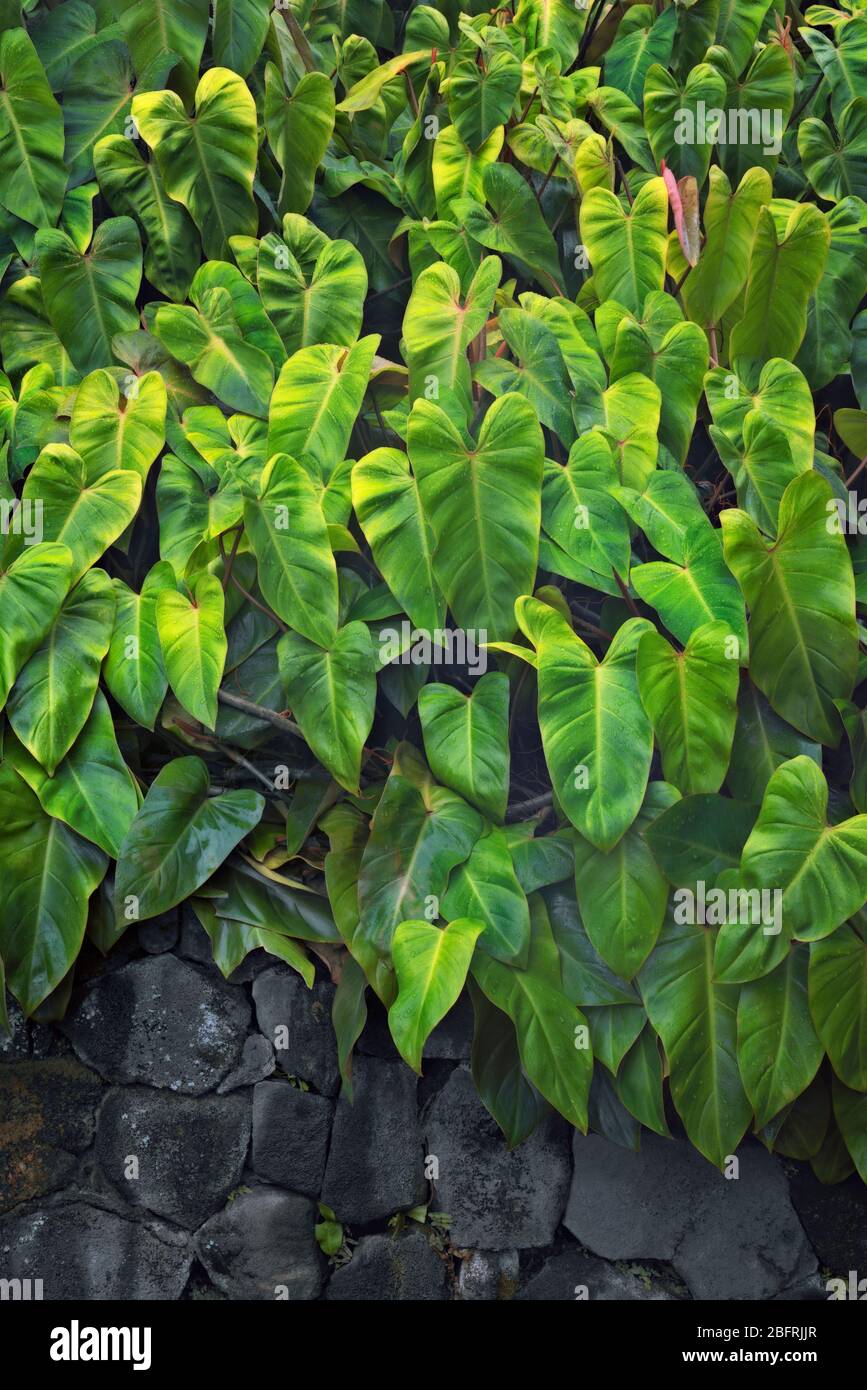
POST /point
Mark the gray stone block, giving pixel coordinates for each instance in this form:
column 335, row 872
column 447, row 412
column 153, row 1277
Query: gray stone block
column 572, row 1276
column 262, row 1246
column 489, row 1275
column 727, row 1238
column 178, row 1156
column 496, row 1199
column 162, row 1022
column 47, row 1117
column 291, row 1129
column 375, row 1163
column 257, row 1062
column 297, row 1021
column 83, row 1252
column 391, row 1269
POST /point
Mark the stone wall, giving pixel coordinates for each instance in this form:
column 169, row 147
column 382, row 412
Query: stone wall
column 156, row 1144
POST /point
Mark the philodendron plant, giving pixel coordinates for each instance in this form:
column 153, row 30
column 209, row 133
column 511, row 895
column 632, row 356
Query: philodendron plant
column 432, row 547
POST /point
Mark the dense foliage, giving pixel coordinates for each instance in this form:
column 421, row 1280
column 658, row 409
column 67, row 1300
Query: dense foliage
column 432, row 546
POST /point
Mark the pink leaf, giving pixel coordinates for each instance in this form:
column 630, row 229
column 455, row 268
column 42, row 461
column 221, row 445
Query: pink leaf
column 683, row 198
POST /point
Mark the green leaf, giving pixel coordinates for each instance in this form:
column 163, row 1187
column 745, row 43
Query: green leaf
column 626, row 248
column 836, row 168
column 385, row 497
column 671, row 112
column 842, row 60
column 92, row 789
column 49, row 873
column 665, row 511
column 179, row 837
column 778, row 1051
column 91, row 296
column 134, row 671
column 730, row 220
column 700, row 837
column 86, row 514
column 483, row 504
column 762, row 467
column 550, row 1031
column 838, row 1003
column 457, row 172
column 439, row 324
column 332, row 693
column 784, row 271
column 820, row 868
column 271, row 903
column 803, row 639
column 313, row 289
column 431, row 965
column 193, row 642
column 240, row 27
column 419, row 833
column 737, row 28
column 622, row 894
column 583, row 518
column 289, row 537
column 32, row 590
column 690, row 697
column 515, row 228
column 155, row 26
column 348, row 1016
column 32, row 172
column 697, row 1022
column 133, row 187
column 54, row 692
column 677, row 365
column 850, row 1111
column 466, row 740
column 597, row 738
column 756, row 108
column 699, row 591
column 502, row 1085
column 632, row 54
column 639, row 1083
column 316, row 399
column 486, row 888
column 481, row 98
column 762, row 741
column 299, row 129
column 782, row 396
column 113, row 431
column 207, row 162
column 208, row 341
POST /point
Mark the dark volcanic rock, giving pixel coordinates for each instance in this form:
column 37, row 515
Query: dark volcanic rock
column 387, row 1268
column 180, row 1157
column 257, row 1062
column 727, row 1238
column 496, row 1199
column 297, row 1021
column 82, row 1252
column 262, row 1246
column 291, row 1129
column 573, row 1276
column 161, row 1022
column 489, row 1275
column 47, row 1114
column 375, row 1164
